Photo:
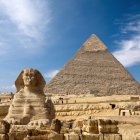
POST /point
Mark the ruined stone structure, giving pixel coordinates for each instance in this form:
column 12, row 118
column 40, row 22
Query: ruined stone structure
column 93, row 70
column 30, row 117
column 72, row 110
column 29, row 101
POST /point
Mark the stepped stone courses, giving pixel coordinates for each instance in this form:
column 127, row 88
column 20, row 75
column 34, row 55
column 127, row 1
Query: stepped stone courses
column 93, row 70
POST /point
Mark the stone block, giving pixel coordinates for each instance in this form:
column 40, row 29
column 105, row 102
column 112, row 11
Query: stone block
column 112, row 137
column 118, row 137
column 40, row 137
column 4, row 137
column 91, row 126
column 54, row 136
column 71, row 137
column 91, row 129
column 108, row 126
column 17, row 135
column 18, row 128
column 91, row 137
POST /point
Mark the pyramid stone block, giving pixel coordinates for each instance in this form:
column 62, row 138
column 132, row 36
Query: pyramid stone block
column 93, row 70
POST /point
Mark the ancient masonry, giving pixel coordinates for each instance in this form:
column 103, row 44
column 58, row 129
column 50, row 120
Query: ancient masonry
column 93, row 70
column 32, row 117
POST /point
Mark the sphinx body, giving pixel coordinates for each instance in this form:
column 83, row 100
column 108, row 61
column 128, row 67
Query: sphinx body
column 29, row 101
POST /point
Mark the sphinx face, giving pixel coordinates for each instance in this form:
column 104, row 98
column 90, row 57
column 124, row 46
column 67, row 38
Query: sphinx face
column 29, row 78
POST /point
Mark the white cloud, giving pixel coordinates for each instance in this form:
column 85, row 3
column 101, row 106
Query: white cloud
column 129, row 52
column 51, row 74
column 26, row 20
column 133, row 26
column 7, row 88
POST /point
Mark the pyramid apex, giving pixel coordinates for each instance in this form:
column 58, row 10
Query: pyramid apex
column 94, row 44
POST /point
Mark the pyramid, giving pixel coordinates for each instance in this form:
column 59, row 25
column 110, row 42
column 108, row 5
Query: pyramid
column 93, row 70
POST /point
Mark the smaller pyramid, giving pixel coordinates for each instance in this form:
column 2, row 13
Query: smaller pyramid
column 93, row 69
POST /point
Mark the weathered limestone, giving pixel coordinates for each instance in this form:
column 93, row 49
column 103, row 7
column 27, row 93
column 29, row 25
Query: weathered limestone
column 4, row 127
column 138, row 136
column 40, row 137
column 108, row 126
column 94, row 65
column 92, row 137
column 71, row 137
column 6, row 97
column 51, row 136
column 54, row 136
column 29, row 101
column 17, row 135
column 4, row 137
column 56, row 125
column 91, row 126
column 112, row 137
column 39, row 123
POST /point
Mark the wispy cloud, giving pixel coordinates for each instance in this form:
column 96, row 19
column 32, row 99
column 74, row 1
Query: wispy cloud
column 129, row 51
column 25, row 19
column 51, row 74
column 132, row 24
column 7, row 88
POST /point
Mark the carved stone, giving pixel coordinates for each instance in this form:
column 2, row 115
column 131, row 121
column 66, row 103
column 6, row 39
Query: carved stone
column 29, row 101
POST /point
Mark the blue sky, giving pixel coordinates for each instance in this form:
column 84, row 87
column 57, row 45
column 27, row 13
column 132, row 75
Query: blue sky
column 45, row 34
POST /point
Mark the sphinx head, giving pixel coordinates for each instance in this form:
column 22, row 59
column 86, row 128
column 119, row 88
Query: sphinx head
column 30, row 78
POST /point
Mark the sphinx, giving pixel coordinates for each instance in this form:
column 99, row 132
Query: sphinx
column 29, row 100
